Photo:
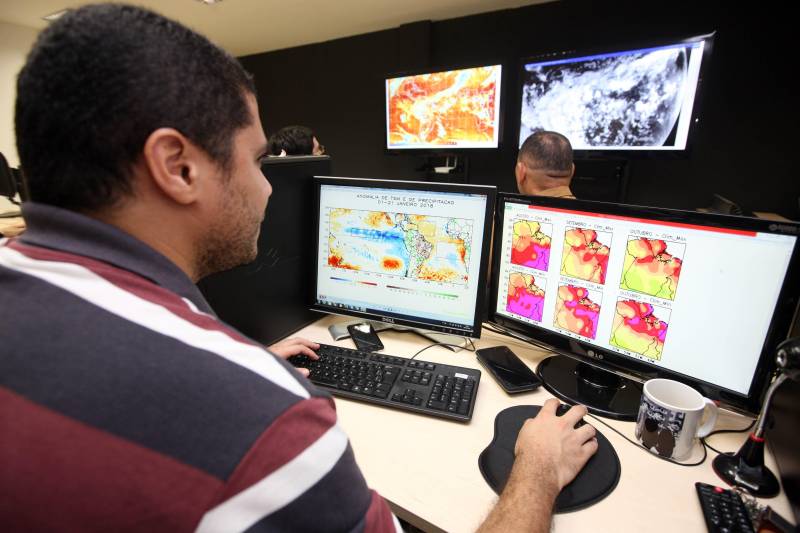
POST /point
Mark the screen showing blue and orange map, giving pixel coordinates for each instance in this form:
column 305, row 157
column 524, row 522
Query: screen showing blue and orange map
column 440, row 110
column 405, row 253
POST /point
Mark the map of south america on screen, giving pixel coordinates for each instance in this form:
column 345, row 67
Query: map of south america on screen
column 531, row 244
column 526, row 295
column 653, row 266
column 640, row 327
column 585, row 254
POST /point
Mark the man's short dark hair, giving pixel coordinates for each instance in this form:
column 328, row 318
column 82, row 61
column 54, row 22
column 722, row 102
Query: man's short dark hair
column 99, row 81
column 547, row 150
column 294, row 140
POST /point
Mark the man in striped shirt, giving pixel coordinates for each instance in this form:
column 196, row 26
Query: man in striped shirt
column 125, row 404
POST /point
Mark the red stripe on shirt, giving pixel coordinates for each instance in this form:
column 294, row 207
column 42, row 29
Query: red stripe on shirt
column 136, row 285
column 68, row 476
column 290, row 434
column 379, row 516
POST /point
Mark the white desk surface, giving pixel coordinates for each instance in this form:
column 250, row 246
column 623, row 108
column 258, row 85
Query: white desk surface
column 427, row 468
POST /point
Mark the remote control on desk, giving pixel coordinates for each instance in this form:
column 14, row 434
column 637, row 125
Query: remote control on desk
column 723, row 510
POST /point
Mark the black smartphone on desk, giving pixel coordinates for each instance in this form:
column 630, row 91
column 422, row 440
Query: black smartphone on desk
column 507, row 369
column 365, row 338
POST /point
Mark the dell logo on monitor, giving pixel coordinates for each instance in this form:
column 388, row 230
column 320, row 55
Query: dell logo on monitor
column 387, row 319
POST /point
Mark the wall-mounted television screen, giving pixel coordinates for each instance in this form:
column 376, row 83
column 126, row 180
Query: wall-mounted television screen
column 630, row 99
column 445, row 110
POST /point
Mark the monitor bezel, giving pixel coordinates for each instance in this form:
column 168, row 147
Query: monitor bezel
column 448, row 150
column 626, row 153
column 778, row 330
column 480, row 307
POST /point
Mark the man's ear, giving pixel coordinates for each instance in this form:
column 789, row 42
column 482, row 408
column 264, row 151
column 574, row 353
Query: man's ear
column 572, row 173
column 519, row 172
column 173, row 162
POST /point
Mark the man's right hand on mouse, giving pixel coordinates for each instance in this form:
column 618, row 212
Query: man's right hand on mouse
column 549, row 445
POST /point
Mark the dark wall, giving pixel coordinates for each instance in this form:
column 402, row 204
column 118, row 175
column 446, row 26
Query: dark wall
column 744, row 148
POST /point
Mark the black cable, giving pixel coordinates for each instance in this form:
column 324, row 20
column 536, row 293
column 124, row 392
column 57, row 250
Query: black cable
column 710, row 447
column 443, row 344
column 718, row 431
column 667, row 459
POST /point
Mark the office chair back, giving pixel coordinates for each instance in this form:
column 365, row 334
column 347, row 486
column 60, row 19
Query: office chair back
column 8, row 185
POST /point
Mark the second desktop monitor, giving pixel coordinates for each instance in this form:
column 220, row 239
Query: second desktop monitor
column 407, row 253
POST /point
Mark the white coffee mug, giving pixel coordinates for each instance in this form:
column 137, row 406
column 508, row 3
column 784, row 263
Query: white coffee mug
column 669, row 417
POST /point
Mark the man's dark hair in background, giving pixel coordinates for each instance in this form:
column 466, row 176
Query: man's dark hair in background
column 104, row 86
column 294, row 140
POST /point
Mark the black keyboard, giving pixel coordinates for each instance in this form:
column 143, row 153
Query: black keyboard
column 420, row 386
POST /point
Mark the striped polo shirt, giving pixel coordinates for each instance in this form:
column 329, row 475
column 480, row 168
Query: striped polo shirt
column 127, row 405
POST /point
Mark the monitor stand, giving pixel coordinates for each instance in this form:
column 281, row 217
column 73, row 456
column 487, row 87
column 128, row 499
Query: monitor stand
column 603, row 392
column 339, row 332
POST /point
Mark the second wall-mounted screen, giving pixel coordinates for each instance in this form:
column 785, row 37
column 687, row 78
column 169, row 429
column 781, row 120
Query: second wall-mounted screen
column 635, row 99
column 454, row 109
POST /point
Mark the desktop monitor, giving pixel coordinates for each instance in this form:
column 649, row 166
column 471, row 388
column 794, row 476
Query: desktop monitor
column 403, row 252
column 631, row 99
column 644, row 292
column 444, row 111
column 268, row 298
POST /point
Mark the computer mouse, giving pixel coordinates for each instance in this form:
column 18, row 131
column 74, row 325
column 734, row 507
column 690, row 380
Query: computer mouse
column 563, row 408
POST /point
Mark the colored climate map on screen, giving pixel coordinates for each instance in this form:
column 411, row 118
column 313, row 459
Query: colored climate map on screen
column 640, row 328
column 577, row 310
column 525, row 296
column 585, row 254
column 530, row 244
column 653, row 267
column 413, row 246
column 444, row 108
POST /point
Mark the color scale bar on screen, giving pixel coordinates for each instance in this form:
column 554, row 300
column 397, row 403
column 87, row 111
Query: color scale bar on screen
column 370, row 283
column 429, row 293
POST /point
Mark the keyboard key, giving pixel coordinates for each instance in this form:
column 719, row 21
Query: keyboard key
column 436, row 405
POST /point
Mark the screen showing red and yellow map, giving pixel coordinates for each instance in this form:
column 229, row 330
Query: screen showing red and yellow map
column 629, row 284
column 455, row 108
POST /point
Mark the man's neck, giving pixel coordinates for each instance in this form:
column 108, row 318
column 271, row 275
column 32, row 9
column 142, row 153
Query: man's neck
column 164, row 236
column 556, row 188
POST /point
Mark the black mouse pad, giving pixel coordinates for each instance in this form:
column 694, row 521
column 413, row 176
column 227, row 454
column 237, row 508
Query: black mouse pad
column 596, row 481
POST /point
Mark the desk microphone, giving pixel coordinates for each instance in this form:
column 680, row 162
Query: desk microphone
column 746, row 468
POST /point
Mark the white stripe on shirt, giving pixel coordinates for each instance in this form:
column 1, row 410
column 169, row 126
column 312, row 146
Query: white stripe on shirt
column 279, row 488
column 91, row 287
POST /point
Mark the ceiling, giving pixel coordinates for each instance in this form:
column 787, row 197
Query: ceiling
column 249, row 26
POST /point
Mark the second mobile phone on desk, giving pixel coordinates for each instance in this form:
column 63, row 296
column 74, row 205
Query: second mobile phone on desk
column 364, row 337
column 507, row 369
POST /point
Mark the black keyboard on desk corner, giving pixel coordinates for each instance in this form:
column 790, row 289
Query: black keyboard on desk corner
column 420, row 386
